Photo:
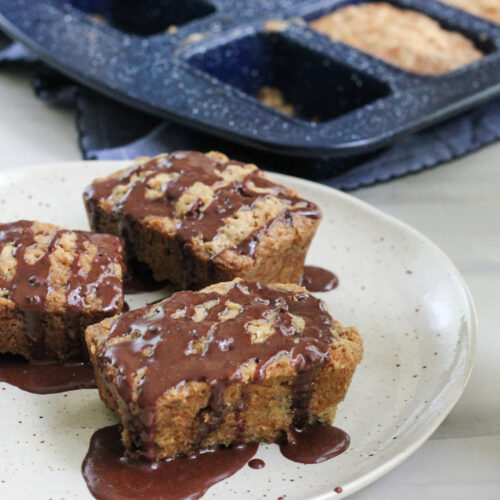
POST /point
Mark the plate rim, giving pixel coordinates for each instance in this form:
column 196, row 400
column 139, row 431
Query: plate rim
column 453, row 392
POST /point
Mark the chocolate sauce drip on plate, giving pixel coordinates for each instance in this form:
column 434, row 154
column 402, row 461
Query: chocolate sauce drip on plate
column 46, row 377
column 315, row 443
column 111, row 476
column 183, row 169
column 256, row 463
column 165, row 335
column 317, row 279
column 31, row 285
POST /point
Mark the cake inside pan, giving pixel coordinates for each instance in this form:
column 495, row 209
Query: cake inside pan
column 419, row 40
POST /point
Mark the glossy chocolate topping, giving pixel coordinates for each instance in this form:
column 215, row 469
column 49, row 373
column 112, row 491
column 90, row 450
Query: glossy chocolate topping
column 256, row 463
column 32, row 283
column 182, row 170
column 314, row 444
column 175, row 341
column 317, row 279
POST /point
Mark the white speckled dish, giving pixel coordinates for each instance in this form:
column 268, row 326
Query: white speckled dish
column 410, row 304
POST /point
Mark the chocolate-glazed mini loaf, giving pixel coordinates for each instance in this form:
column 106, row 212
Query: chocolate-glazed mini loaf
column 235, row 362
column 199, row 219
column 53, row 284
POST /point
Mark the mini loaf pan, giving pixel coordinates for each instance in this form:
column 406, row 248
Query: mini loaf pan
column 201, row 63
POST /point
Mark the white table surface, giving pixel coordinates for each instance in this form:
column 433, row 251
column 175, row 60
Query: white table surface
column 456, row 205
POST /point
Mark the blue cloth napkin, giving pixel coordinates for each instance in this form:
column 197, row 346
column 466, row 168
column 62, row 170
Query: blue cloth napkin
column 111, row 131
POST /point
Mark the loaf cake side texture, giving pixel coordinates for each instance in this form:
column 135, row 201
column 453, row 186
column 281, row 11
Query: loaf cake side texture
column 53, row 284
column 235, row 362
column 199, row 219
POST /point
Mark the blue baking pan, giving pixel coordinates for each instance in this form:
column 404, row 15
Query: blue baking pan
column 201, row 63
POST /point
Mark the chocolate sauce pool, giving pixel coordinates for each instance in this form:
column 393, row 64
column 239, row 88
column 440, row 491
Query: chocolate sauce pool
column 317, row 279
column 315, row 444
column 256, row 463
column 45, row 377
column 110, row 476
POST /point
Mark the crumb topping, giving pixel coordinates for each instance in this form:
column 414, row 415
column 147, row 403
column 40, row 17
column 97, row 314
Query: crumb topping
column 405, row 38
column 487, row 9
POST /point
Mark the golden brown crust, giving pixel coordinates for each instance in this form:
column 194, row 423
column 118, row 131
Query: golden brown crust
column 404, row 38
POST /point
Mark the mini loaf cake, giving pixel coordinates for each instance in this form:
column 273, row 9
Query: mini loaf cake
column 53, row 284
column 199, row 219
column 487, row 9
column 235, row 362
column 404, row 38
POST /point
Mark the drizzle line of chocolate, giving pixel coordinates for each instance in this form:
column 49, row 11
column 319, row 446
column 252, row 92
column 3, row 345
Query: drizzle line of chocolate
column 155, row 341
column 317, row 279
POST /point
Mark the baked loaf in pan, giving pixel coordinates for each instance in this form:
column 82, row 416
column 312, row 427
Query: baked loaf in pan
column 404, row 38
column 487, row 9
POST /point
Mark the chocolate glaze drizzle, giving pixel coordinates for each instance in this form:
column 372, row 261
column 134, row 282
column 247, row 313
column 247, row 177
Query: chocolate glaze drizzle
column 111, row 476
column 32, row 284
column 160, row 341
column 46, row 377
column 314, row 444
column 256, row 463
column 185, row 169
column 317, row 279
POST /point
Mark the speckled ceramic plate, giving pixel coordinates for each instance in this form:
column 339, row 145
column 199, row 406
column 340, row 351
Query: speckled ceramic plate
column 408, row 301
